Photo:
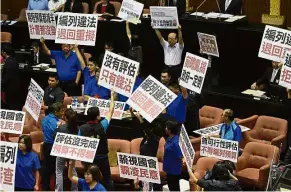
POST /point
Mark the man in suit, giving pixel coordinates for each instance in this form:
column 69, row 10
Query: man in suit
column 10, row 79
column 180, row 4
column 271, row 76
column 38, row 56
column 231, row 6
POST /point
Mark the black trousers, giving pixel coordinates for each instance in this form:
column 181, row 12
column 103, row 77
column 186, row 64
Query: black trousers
column 49, row 166
column 104, row 167
column 173, row 182
column 175, row 71
column 71, row 88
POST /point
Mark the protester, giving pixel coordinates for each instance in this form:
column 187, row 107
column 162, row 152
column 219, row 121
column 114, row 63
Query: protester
column 92, row 178
column 49, row 125
column 229, row 130
column 74, row 6
column 71, row 127
column 108, row 46
column 52, row 94
column 95, row 90
column 220, row 180
column 98, row 130
column 173, row 157
column 10, row 79
column 173, row 49
column 27, row 166
column 89, row 71
column 68, row 68
column 105, row 7
column 288, row 103
column 178, row 108
column 37, row 5
column 165, row 77
column 135, row 50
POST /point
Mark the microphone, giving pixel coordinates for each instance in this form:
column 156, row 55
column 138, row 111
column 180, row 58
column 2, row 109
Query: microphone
column 200, row 6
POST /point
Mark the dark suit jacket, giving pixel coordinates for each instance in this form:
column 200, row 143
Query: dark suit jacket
column 43, row 58
column 180, row 4
column 234, row 7
column 109, row 8
column 266, row 78
column 10, row 75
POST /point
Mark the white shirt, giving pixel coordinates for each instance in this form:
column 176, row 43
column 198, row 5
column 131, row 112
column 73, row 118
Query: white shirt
column 52, row 5
column 172, row 54
column 37, row 57
column 274, row 73
column 227, row 3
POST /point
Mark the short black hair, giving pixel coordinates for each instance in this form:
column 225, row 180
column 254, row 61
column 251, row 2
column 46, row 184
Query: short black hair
column 7, row 48
column 95, row 172
column 173, row 126
column 93, row 60
column 71, row 120
column 220, row 172
column 27, row 142
column 35, row 44
column 54, row 75
column 166, row 70
column 56, row 107
column 174, row 84
column 109, row 44
column 93, row 113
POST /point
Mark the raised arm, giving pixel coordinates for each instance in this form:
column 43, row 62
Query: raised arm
column 128, row 32
column 159, row 35
column 180, row 36
column 184, row 92
column 71, row 176
column 111, row 107
column 79, row 55
column 44, row 47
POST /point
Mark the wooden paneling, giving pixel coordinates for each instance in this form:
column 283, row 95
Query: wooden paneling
column 13, row 7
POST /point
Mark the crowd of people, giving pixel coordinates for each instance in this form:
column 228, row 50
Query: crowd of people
column 71, row 65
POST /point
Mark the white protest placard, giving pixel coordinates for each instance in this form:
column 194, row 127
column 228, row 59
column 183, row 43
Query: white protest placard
column 164, row 17
column 130, row 10
column 186, row 148
column 285, row 76
column 77, row 28
column 104, row 105
column 275, row 43
column 8, row 165
column 34, row 99
column 12, row 121
column 194, row 72
column 208, row 44
column 118, row 73
column 144, row 168
column 75, row 147
column 151, row 98
column 219, row 148
column 214, row 129
column 41, row 24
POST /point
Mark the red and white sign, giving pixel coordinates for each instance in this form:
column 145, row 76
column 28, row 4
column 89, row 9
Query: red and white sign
column 12, row 121
column 104, row 105
column 186, row 148
column 41, row 24
column 285, row 76
column 34, row 99
column 8, row 165
column 275, row 43
column 194, row 72
column 138, row 166
column 219, row 148
column 75, row 147
column 118, row 73
column 151, row 98
column 77, row 28
column 208, row 44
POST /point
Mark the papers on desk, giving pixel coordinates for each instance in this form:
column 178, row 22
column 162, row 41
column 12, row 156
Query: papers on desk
column 235, row 18
column 225, row 16
column 256, row 93
column 211, row 15
column 117, row 20
column 54, row 70
column 11, row 22
column 41, row 65
column 197, row 14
